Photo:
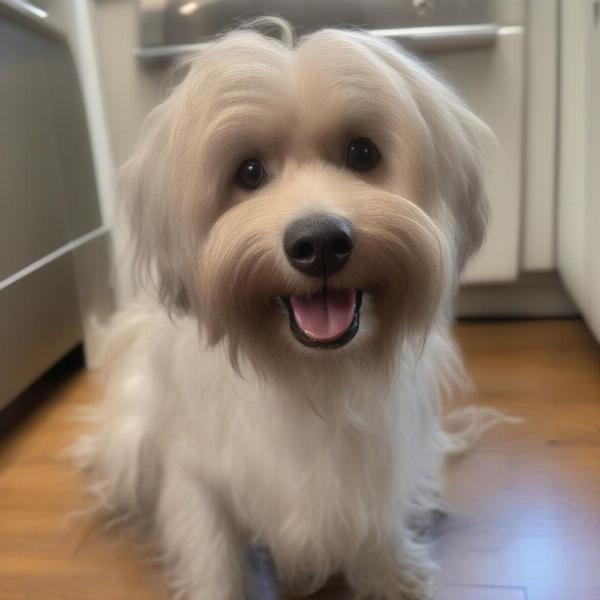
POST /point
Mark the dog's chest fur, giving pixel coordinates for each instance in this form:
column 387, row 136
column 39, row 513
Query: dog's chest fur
column 313, row 475
column 309, row 483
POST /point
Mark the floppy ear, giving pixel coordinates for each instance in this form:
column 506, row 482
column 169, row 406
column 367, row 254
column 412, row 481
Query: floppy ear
column 459, row 138
column 144, row 189
column 456, row 140
column 162, row 195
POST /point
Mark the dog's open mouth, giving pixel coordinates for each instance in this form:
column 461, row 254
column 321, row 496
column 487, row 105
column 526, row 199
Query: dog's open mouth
column 328, row 318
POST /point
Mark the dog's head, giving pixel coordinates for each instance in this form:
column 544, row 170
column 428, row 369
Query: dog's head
column 311, row 201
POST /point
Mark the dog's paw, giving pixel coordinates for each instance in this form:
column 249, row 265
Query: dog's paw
column 427, row 525
column 203, row 594
column 408, row 585
column 397, row 582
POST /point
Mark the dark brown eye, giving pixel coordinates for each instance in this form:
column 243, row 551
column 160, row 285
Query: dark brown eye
column 251, row 174
column 362, row 154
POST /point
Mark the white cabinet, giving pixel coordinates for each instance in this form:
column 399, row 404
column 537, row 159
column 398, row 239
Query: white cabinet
column 513, row 86
column 541, row 90
column 579, row 157
column 491, row 80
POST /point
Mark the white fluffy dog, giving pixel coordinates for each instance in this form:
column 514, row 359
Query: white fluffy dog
column 305, row 212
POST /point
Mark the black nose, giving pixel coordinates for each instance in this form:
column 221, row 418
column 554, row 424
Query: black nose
column 318, row 245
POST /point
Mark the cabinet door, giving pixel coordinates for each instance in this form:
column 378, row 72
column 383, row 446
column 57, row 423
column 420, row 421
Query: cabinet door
column 579, row 157
column 32, row 219
column 491, row 82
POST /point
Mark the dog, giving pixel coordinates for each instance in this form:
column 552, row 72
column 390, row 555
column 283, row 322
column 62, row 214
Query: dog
column 303, row 212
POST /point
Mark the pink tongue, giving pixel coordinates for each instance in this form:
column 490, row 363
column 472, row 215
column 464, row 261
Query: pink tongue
column 326, row 315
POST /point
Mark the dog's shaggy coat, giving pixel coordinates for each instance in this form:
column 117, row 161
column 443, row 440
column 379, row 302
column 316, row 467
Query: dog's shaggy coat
column 219, row 428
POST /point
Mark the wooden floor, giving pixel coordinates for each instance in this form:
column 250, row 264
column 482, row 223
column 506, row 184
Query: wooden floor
column 526, row 519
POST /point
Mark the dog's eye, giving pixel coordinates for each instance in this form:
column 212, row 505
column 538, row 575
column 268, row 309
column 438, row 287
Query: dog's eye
column 362, row 154
column 250, row 174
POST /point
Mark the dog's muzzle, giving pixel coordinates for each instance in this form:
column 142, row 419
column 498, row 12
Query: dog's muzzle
column 319, row 245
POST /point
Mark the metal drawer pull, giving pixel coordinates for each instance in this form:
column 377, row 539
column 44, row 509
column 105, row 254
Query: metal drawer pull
column 161, row 53
column 25, row 8
column 450, row 37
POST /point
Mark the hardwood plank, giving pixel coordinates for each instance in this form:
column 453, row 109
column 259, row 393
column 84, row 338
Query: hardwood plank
column 447, row 592
column 482, row 593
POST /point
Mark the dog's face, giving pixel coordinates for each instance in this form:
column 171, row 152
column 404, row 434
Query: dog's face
column 310, row 202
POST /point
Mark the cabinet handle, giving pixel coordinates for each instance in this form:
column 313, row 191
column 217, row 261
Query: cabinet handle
column 25, row 8
column 443, row 37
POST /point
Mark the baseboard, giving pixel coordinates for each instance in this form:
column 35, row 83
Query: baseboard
column 534, row 295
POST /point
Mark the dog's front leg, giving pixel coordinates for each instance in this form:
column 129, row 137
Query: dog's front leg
column 396, row 570
column 201, row 545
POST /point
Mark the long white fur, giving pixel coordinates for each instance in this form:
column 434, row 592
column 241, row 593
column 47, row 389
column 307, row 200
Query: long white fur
column 323, row 459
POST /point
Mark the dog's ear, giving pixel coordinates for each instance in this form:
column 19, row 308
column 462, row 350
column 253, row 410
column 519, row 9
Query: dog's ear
column 144, row 190
column 155, row 184
column 457, row 138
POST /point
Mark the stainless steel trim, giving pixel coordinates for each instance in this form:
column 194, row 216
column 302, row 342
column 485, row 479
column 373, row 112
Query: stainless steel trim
column 511, row 30
column 31, row 15
column 167, row 52
column 25, row 8
column 423, row 39
column 38, row 264
column 439, row 38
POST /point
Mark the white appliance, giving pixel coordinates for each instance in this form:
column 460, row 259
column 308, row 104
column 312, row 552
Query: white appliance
column 54, row 245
